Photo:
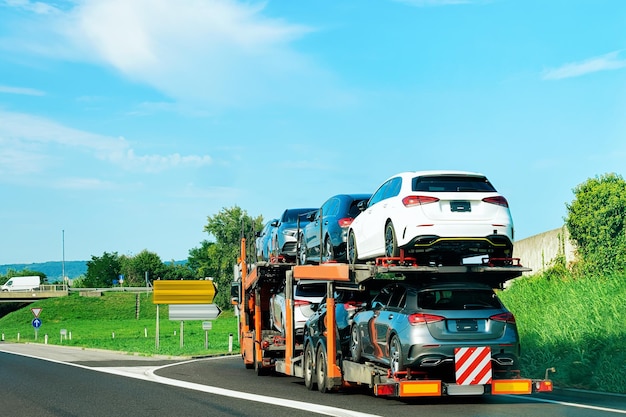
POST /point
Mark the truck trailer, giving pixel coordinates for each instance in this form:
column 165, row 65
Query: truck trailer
column 319, row 360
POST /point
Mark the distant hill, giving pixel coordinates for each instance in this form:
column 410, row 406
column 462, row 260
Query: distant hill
column 53, row 270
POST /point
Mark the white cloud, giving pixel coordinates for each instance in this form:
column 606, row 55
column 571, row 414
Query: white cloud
column 20, row 90
column 83, row 184
column 26, row 142
column 606, row 62
column 212, row 52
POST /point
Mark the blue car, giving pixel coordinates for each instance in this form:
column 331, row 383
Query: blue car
column 323, row 237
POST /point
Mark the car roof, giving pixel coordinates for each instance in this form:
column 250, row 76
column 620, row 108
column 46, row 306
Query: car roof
column 436, row 172
column 360, row 196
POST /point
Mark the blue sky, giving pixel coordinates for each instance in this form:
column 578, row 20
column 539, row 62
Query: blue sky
column 125, row 124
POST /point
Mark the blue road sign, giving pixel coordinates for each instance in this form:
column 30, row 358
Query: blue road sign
column 36, row 323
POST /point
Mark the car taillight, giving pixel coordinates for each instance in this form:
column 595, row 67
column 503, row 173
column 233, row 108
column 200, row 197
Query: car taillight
column 418, row 200
column 300, row 302
column 498, row 200
column 345, row 222
column 505, row 317
column 421, row 318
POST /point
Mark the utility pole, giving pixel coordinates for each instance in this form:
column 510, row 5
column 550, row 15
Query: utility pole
column 63, row 262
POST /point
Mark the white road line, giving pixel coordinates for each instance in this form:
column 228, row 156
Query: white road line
column 146, row 373
column 568, row 404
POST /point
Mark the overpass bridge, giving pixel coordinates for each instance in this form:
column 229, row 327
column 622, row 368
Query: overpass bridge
column 44, row 291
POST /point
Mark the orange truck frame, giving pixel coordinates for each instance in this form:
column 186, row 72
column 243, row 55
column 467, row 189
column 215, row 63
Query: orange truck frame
column 266, row 350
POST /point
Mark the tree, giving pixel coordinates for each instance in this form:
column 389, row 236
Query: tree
column 135, row 268
column 201, row 262
column 23, row 273
column 227, row 227
column 597, row 222
column 102, row 271
column 178, row 272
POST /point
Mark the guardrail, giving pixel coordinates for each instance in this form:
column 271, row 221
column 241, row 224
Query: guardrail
column 53, row 287
column 112, row 289
column 41, row 292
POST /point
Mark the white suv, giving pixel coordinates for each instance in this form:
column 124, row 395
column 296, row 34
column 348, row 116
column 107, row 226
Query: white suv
column 438, row 217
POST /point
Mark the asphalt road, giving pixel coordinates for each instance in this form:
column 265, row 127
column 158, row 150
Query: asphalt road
column 66, row 384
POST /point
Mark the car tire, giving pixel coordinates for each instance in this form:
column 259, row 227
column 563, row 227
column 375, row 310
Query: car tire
column 391, row 243
column 301, row 250
column 329, row 252
column 309, row 367
column 321, row 367
column 355, row 344
column 395, row 355
column 351, row 251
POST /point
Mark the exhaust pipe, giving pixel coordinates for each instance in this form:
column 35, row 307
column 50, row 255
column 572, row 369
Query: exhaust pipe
column 503, row 361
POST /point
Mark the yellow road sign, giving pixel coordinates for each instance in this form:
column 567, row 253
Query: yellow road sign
column 183, row 292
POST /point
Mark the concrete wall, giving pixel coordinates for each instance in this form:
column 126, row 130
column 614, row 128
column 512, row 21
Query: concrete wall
column 537, row 252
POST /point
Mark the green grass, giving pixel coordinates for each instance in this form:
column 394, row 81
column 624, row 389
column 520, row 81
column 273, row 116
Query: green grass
column 576, row 325
column 110, row 322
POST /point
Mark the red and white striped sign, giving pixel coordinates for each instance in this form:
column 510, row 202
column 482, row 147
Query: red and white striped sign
column 472, row 365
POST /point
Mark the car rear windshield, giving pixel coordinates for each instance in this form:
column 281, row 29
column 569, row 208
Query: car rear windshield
column 311, row 290
column 291, row 216
column 460, row 299
column 452, row 183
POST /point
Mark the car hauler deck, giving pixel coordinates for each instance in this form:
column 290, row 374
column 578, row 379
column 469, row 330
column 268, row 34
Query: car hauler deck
column 323, row 365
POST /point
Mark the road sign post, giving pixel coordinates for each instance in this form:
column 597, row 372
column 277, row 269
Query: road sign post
column 177, row 293
column 206, row 326
column 36, row 325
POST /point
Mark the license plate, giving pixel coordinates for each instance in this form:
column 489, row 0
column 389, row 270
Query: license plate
column 460, row 206
column 466, row 325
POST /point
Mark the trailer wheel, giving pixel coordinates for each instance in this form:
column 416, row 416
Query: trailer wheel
column 391, row 243
column 249, row 365
column 309, row 367
column 321, row 367
column 258, row 366
column 395, row 355
column 355, row 344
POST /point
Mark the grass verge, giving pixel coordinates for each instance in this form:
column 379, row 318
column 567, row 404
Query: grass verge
column 121, row 322
column 576, row 325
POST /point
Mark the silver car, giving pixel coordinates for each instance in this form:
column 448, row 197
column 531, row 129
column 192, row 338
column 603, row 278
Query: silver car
column 419, row 326
column 285, row 232
column 304, row 297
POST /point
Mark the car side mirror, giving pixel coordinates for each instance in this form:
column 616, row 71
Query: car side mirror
column 377, row 305
column 362, row 205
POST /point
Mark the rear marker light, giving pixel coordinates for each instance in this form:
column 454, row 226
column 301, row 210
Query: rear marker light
column 544, row 386
column 384, row 389
column 418, row 200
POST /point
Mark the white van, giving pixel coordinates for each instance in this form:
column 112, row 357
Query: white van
column 22, row 283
